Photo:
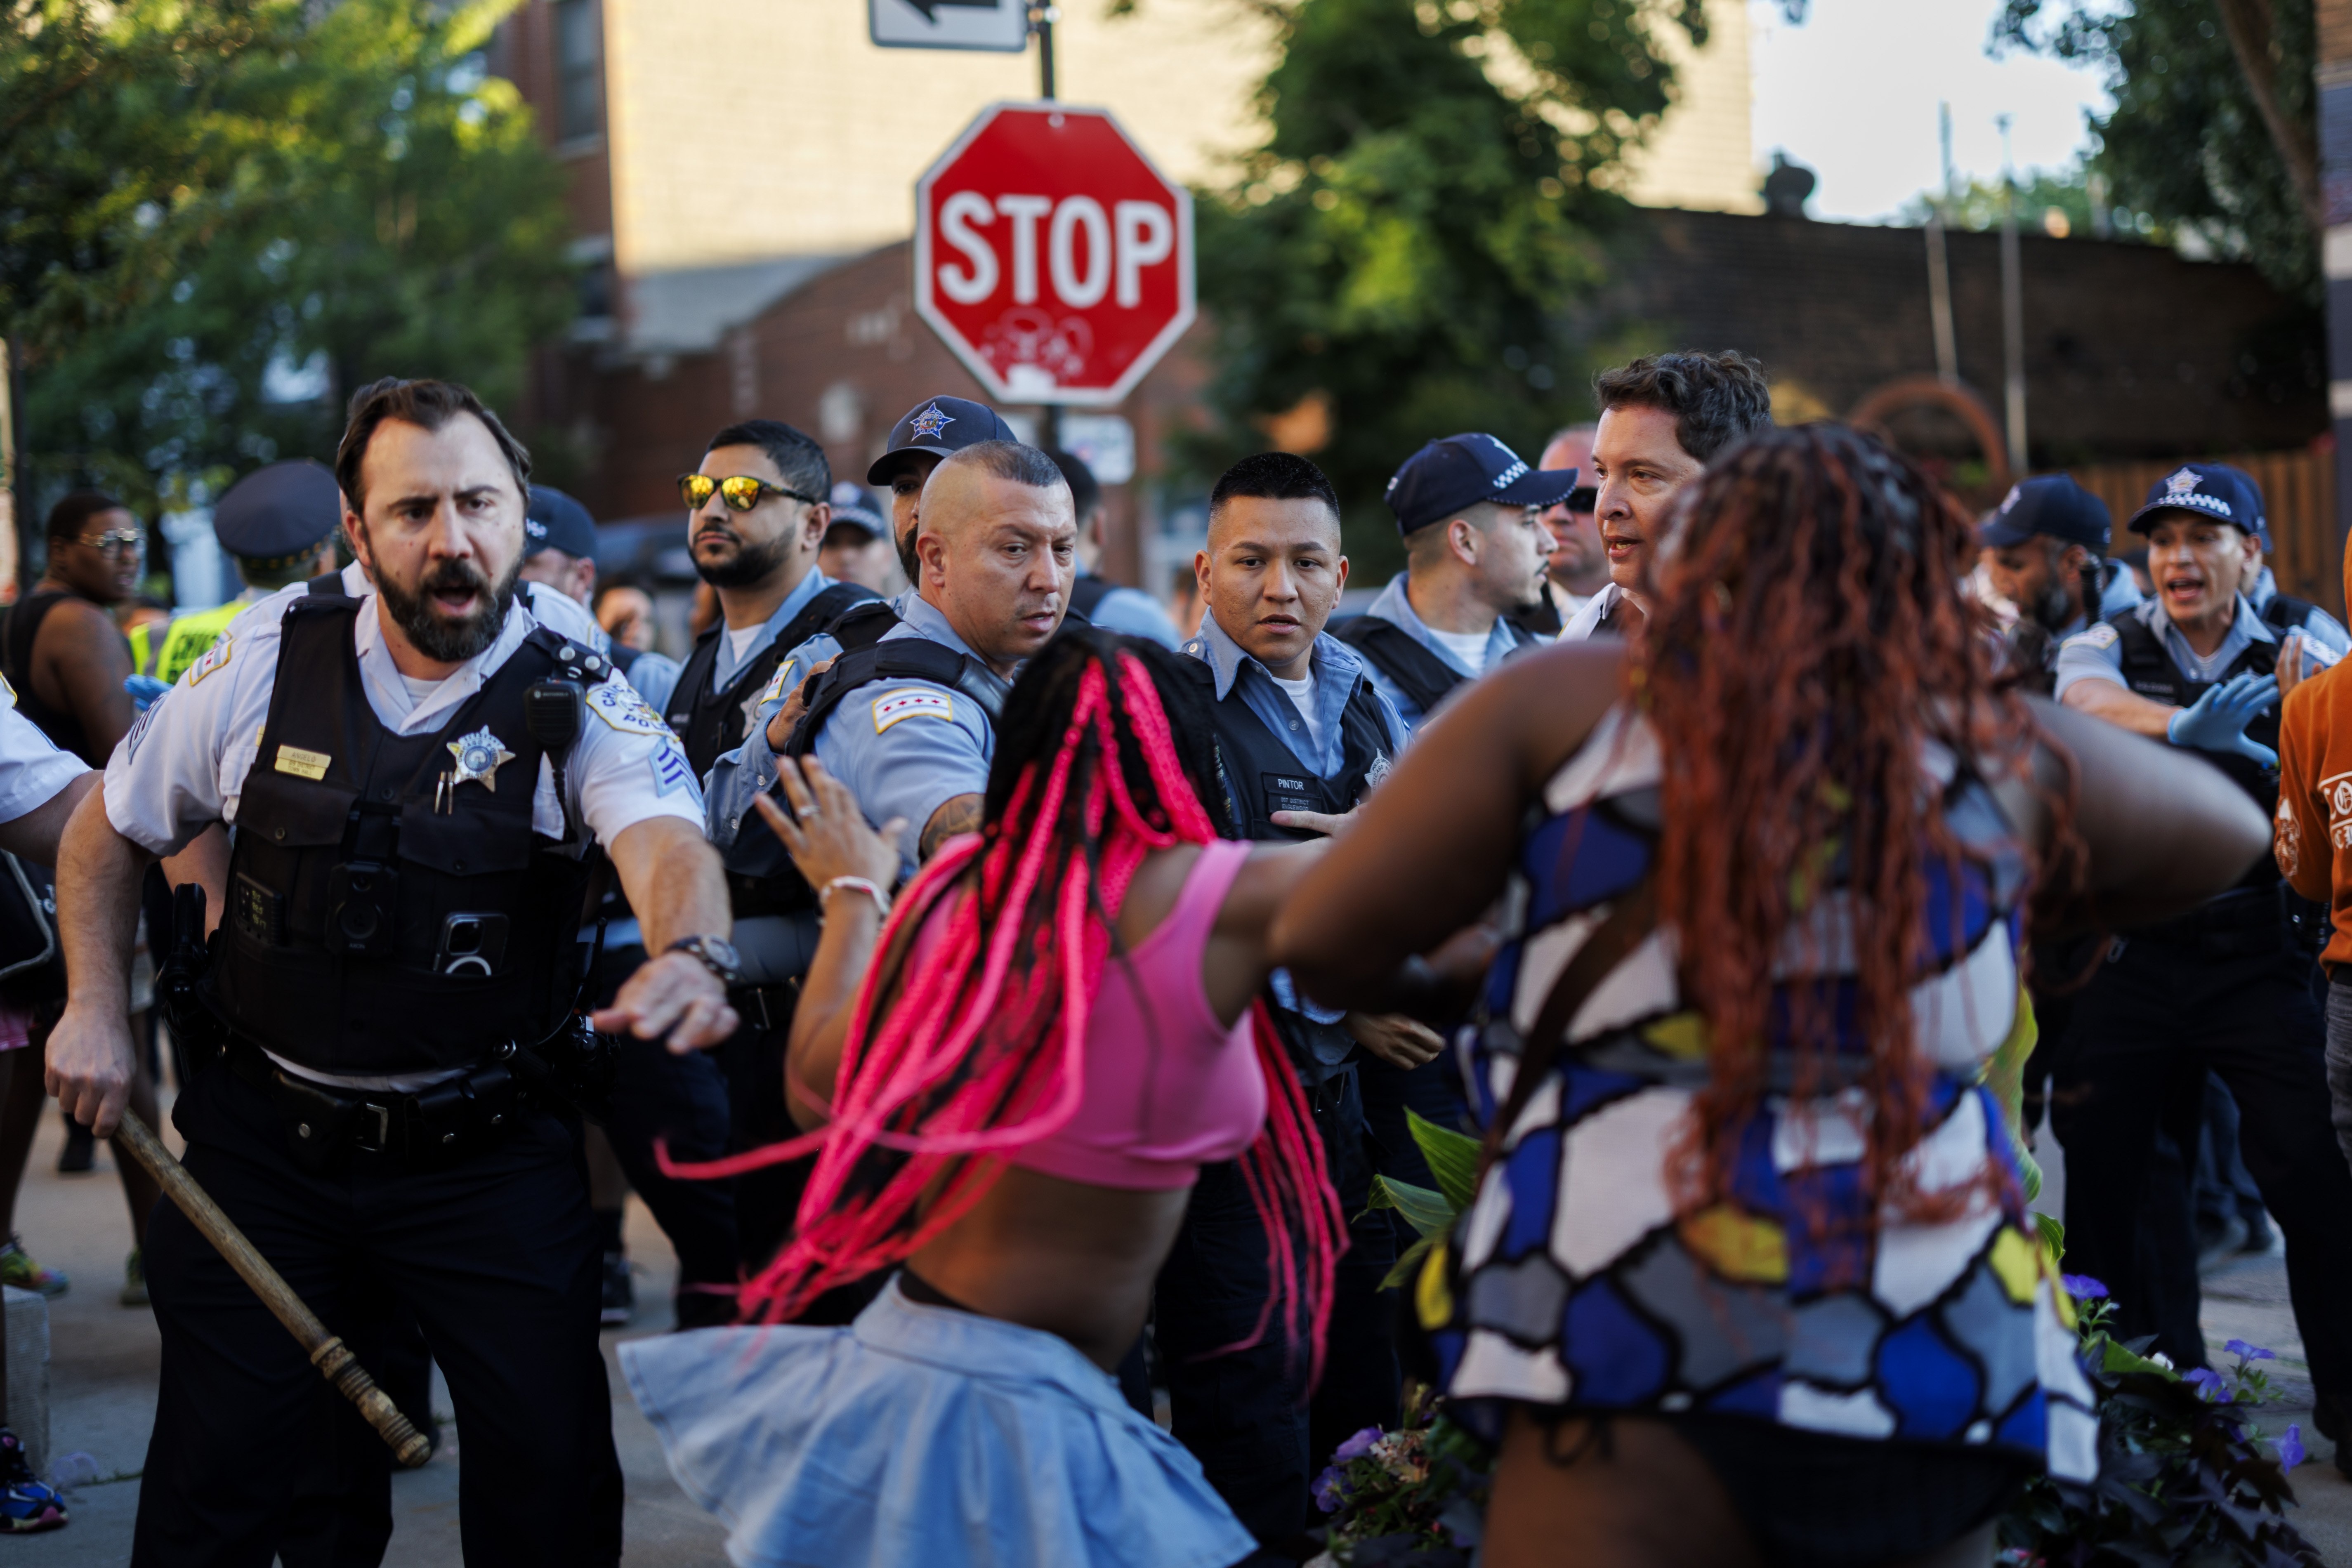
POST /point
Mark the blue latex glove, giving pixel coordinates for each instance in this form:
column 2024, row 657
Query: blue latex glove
column 2217, row 721
column 143, row 690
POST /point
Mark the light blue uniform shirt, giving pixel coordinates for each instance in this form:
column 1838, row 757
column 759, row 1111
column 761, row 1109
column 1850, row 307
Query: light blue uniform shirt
column 1395, row 606
column 1131, row 612
column 2097, row 654
column 1335, row 666
column 655, row 676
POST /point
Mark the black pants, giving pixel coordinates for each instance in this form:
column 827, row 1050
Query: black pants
column 752, row 1060
column 682, row 1101
column 496, row 1257
column 2145, row 1033
column 1246, row 1415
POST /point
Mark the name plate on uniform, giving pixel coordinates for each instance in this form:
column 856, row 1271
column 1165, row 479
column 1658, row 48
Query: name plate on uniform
column 1289, row 792
column 301, row 764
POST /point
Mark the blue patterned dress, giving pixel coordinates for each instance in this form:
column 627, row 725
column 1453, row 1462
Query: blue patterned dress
column 1572, row 1282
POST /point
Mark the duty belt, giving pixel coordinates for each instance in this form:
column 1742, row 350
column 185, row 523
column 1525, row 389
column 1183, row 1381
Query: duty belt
column 455, row 1117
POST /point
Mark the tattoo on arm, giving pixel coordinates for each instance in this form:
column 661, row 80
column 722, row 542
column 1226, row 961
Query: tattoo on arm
column 958, row 814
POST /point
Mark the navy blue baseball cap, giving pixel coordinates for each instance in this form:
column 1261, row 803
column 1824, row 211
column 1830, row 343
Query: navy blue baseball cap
column 2246, row 482
column 277, row 515
column 2210, row 490
column 853, row 508
column 2055, row 507
column 1443, row 477
column 938, row 426
column 553, row 520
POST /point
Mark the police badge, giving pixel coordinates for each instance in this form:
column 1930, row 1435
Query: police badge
column 479, row 756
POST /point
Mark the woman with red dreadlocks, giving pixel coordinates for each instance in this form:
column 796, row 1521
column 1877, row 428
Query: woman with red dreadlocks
column 1014, row 1082
column 1748, row 1277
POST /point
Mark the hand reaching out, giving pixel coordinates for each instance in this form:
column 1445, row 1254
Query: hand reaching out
column 825, row 832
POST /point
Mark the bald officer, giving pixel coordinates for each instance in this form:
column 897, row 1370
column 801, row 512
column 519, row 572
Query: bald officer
column 422, row 781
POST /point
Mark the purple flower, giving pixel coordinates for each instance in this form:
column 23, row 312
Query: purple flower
column 1330, row 1491
column 2252, row 1353
column 2082, row 1287
column 2208, row 1382
column 2290, row 1447
column 1357, row 1447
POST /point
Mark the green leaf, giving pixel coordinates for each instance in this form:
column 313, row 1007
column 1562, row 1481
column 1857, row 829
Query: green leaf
column 2054, row 1236
column 1427, row 1211
column 1452, row 1159
column 2116, row 1359
column 1408, row 1264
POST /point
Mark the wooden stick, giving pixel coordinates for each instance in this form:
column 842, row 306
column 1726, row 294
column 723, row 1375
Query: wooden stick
column 327, row 1352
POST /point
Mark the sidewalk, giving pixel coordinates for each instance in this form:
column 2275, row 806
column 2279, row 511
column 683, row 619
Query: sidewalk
column 102, row 1394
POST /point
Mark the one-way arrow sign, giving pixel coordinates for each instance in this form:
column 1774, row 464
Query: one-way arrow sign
column 1001, row 24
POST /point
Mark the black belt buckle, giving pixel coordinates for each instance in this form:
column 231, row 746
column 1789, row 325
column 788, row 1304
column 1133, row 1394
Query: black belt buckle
column 371, row 1120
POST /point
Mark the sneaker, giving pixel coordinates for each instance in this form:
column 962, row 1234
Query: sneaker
column 620, row 1294
column 26, row 1506
column 80, row 1155
column 134, row 1278
column 17, row 1268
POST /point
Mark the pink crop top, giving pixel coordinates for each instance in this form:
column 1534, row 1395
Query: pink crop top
column 1168, row 1089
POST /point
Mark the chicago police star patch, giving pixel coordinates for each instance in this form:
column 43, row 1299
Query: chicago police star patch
column 617, row 703
column 911, row 704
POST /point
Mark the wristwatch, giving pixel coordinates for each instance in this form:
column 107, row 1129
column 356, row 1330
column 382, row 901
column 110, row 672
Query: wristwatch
column 715, row 953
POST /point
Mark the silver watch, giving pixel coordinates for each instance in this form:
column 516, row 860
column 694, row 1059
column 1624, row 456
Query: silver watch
column 715, row 953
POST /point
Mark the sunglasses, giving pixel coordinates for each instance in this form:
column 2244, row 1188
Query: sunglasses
column 1582, row 499
column 121, row 540
column 742, row 492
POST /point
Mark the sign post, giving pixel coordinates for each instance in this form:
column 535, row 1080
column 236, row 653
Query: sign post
column 1051, row 256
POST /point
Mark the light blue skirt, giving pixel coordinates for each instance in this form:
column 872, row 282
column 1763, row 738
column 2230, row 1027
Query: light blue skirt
column 921, row 1436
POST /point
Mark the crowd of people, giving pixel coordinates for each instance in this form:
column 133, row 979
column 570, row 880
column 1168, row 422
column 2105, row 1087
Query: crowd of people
column 1005, row 1002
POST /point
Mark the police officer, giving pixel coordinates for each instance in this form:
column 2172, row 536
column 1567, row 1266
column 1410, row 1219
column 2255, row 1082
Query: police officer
column 559, row 553
column 924, row 436
column 2225, row 988
column 1302, row 735
column 1475, row 548
column 857, row 547
column 421, row 781
column 1113, row 606
column 757, row 510
column 277, row 524
column 2045, row 550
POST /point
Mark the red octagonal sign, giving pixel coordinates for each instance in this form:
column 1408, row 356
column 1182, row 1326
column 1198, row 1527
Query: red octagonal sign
column 1051, row 255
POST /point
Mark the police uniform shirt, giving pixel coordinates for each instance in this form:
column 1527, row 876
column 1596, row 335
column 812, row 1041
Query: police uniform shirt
column 2097, row 654
column 1395, row 606
column 32, row 769
column 740, row 777
column 1131, row 612
column 1335, row 666
column 906, row 747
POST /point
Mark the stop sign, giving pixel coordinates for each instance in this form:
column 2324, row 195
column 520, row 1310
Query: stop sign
column 1051, row 255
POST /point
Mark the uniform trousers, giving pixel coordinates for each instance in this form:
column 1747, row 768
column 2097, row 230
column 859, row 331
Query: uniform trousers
column 2158, row 1017
column 1246, row 1414
column 494, row 1254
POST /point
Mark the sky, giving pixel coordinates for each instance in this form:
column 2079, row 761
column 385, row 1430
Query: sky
column 1851, row 94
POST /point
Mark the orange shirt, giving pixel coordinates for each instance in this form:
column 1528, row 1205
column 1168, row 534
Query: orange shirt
column 2313, row 834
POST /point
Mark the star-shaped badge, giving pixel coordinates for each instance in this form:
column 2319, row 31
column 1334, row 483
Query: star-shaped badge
column 479, row 756
column 927, row 424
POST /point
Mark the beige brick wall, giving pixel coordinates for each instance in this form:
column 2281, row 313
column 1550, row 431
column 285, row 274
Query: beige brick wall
column 746, row 128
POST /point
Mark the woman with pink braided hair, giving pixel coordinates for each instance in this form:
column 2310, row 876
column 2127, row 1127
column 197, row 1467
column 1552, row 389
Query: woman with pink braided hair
column 1013, row 1075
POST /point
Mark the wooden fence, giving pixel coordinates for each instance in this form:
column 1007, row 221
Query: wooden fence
column 2299, row 489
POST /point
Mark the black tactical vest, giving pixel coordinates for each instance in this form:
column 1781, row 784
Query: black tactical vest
column 382, row 917
column 1263, row 775
column 1419, row 674
column 712, row 720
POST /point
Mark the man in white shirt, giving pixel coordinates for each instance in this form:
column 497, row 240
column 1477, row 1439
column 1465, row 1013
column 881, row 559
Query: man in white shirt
column 420, row 781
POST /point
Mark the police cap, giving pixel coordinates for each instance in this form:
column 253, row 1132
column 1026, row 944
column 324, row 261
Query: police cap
column 2055, row 507
column 2209, row 490
column 276, row 516
column 938, row 426
column 553, row 520
column 853, row 509
column 1446, row 476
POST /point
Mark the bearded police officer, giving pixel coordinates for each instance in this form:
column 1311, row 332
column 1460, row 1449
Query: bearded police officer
column 1301, row 736
column 421, row 781
column 2045, row 550
column 2225, row 988
column 1475, row 544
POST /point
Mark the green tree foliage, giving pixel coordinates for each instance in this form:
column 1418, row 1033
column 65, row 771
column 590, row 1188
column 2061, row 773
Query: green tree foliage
column 1428, row 199
column 2213, row 133
column 309, row 199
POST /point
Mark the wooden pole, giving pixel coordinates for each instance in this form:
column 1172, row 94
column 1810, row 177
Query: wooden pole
column 327, row 1352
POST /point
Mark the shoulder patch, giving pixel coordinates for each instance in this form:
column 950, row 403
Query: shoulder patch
column 912, row 704
column 778, row 683
column 671, row 772
column 2100, row 636
column 215, row 658
column 617, row 703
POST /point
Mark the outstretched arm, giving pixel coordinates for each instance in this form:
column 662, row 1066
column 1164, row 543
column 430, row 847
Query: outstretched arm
column 90, row 1063
column 674, row 883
